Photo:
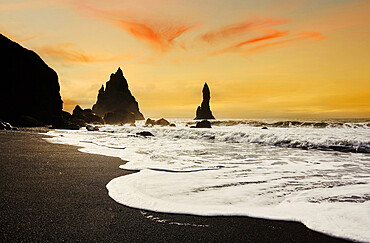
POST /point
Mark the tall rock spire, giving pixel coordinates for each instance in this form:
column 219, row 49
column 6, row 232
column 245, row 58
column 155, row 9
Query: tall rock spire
column 204, row 110
column 117, row 97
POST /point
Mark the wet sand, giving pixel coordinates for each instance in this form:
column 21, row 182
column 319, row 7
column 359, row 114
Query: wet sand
column 55, row 193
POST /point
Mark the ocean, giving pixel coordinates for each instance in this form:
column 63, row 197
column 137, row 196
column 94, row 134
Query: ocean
column 314, row 172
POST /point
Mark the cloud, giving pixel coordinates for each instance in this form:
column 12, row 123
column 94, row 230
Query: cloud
column 159, row 34
column 296, row 37
column 242, row 47
column 240, row 28
column 236, row 47
column 66, row 52
column 164, row 33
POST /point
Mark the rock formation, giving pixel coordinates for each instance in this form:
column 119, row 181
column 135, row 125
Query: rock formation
column 203, row 124
column 204, row 111
column 87, row 115
column 119, row 117
column 162, row 122
column 117, row 99
column 29, row 93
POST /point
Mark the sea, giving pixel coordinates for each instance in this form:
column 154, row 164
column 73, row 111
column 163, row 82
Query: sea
column 316, row 172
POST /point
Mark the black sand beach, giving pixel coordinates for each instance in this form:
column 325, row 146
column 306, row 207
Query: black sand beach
column 56, row 193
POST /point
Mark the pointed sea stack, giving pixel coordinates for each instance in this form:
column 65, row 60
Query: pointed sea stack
column 29, row 93
column 204, row 111
column 117, row 98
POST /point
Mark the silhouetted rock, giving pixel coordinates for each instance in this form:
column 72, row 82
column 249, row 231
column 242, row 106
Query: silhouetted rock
column 204, row 110
column 87, row 115
column 145, row 134
column 160, row 122
column 77, row 111
column 69, row 121
column 71, row 124
column 116, row 98
column 65, row 115
column 119, row 117
column 203, row 124
column 92, row 128
column 94, row 119
column 29, row 87
column 264, row 127
column 149, row 122
column 28, row 121
column 172, row 125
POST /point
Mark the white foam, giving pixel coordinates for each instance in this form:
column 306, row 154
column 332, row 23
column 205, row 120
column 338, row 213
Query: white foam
column 241, row 170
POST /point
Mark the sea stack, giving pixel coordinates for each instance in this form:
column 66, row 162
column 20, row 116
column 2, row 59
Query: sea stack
column 204, row 111
column 29, row 93
column 116, row 99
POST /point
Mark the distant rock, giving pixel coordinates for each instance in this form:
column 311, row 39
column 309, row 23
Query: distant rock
column 145, row 134
column 172, row 125
column 149, row 122
column 29, row 93
column 116, row 99
column 204, row 110
column 119, row 117
column 87, row 115
column 203, row 124
column 264, row 128
column 160, row 122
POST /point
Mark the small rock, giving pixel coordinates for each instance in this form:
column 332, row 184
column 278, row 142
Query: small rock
column 172, row 125
column 145, row 134
column 92, row 128
column 264, row 127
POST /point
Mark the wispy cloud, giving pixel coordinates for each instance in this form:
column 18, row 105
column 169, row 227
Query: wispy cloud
column 240, row 28
column 296, row 37
column 165, row 33
column 67, row 52
column 259, row 41
column 160, row 34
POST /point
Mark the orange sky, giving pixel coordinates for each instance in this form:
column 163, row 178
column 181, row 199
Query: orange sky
column 261, row 58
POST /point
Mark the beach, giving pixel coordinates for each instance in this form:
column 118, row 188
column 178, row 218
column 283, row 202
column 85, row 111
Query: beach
column 53, row 192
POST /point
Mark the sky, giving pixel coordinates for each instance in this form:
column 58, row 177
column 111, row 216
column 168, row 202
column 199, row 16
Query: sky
column 261, row 58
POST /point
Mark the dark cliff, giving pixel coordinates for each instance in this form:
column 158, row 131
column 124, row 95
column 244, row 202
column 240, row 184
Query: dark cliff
column 117, row 98
column 29, row 92
column 204, row 110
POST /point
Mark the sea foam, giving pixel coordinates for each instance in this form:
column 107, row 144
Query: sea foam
column 298, row 173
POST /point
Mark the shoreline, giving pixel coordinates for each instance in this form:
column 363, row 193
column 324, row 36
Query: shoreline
column 54, row 192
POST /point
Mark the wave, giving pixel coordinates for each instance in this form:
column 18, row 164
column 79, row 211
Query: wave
column 288, row 124
column 328, row 139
